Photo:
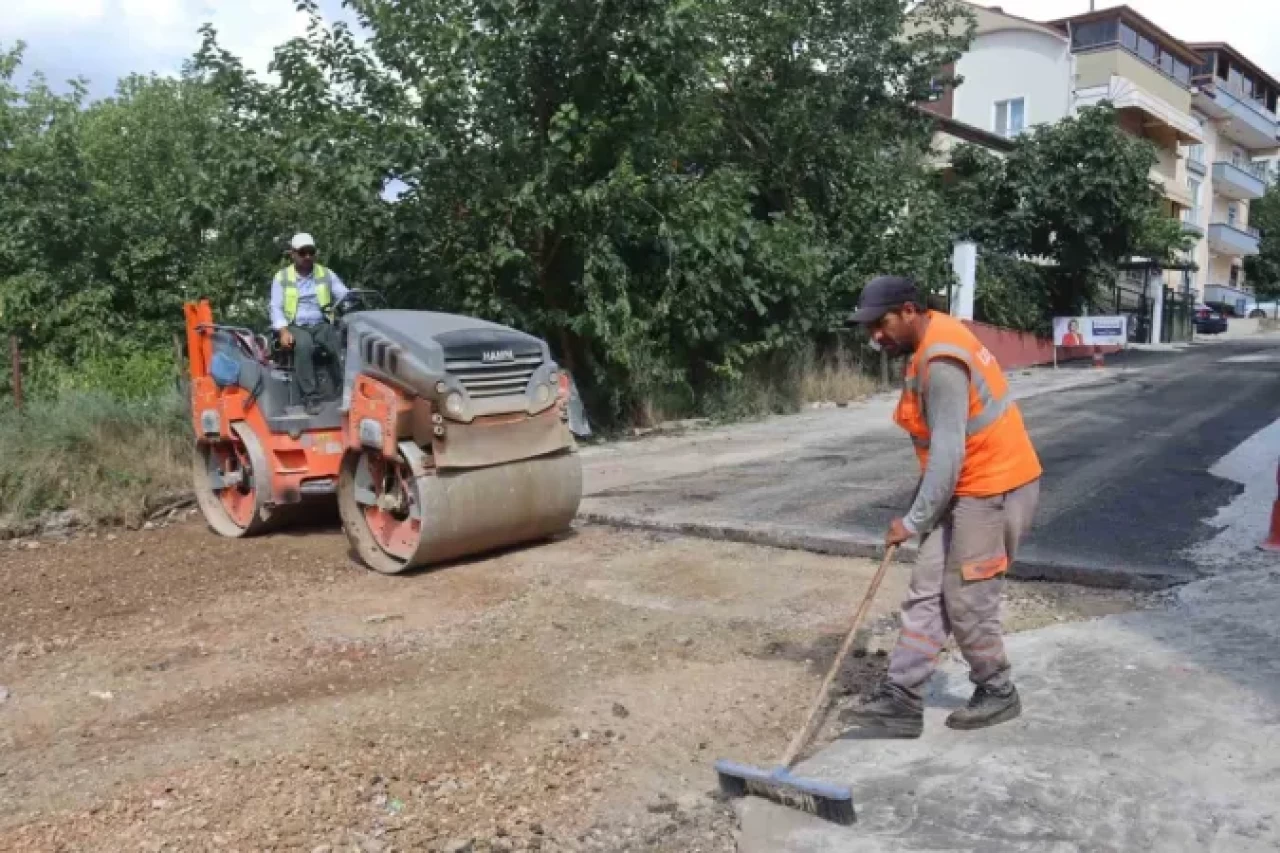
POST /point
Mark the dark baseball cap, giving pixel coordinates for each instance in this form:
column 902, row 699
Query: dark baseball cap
column 881, row 295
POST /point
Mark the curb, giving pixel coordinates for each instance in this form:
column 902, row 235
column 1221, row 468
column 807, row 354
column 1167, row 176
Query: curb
column 834, row 543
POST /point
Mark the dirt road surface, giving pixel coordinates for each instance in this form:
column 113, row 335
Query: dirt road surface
column 169, row 690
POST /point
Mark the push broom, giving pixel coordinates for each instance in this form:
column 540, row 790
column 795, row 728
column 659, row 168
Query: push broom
column 823, row 799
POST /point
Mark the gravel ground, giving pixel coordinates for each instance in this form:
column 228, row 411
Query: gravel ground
column 169, row 690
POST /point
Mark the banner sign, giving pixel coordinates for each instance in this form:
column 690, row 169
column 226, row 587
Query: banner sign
column 1089, row 331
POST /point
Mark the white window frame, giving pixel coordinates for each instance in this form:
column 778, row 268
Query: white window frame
column 1008, row 103
column 1194, row 185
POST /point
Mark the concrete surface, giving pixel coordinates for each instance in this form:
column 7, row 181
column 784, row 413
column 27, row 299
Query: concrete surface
column 1150, row 731
column 1127, row 450
column 1154, row 731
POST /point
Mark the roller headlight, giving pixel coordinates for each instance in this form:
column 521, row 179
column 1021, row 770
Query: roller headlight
column 543, row 394
column 454, row 405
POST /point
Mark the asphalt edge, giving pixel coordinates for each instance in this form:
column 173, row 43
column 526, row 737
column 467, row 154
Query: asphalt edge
column 1032, row 567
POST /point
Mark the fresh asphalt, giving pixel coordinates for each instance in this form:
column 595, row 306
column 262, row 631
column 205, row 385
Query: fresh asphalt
column 1126, row 488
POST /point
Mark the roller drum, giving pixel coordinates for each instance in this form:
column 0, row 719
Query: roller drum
column 462, row 512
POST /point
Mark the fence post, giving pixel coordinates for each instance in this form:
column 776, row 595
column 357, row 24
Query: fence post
column 16, row 357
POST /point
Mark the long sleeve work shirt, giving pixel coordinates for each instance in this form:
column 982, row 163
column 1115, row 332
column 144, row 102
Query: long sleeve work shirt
column 946, row 409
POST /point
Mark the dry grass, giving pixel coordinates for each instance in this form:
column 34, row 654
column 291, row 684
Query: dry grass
column 836, row 379
column 94, row 454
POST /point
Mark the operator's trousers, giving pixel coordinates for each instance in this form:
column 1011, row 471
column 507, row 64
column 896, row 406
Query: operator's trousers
column 308, row 341
column 956, row 586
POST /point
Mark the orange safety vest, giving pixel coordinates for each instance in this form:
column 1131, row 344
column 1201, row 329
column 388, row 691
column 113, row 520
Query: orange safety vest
column 998, row 454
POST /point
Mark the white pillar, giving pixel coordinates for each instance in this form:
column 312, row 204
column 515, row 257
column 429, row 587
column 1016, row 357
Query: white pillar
column 1155, row 288
column 964, row 261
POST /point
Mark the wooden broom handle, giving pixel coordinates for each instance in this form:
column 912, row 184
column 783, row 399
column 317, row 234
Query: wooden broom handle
column 820, row 701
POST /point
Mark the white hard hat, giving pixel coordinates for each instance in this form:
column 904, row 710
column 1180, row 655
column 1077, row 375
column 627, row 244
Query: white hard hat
column 302, row 240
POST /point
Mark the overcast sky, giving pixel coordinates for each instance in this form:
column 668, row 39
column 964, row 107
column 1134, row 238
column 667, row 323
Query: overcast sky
column 105, row 39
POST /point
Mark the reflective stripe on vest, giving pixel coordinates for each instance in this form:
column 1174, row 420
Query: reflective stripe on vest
column 288, row 278
column 999, row 456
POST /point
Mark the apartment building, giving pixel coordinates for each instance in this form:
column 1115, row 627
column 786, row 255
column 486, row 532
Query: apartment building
column 1209, row 112
column 1235, row 103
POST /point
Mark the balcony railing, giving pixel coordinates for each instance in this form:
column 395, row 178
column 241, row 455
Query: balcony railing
column 1249, row 99
column 1241, row 180
column 1233, row 239
column 1213, row 82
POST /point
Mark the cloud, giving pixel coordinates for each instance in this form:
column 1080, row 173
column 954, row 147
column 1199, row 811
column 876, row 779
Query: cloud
column 103, row 40
column 68, row 13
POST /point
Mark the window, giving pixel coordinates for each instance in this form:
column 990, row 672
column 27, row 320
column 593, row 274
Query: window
column 1235, row 275
column 1147, row 49
column 1193, row 215
column 1182, row 72
column 1128, row 37
column 1094, row 33
column 1195, row 153
column 1011, row 117
column 1233, row 215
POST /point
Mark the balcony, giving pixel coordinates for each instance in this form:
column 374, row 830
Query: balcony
column 1226, row 239
column 1191, row 224
column 1237, row 182
column 1168, row 123
column 1246, row 122
column 1171, row 189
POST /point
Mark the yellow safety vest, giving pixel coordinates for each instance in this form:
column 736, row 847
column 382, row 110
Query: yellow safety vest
column 288, row 278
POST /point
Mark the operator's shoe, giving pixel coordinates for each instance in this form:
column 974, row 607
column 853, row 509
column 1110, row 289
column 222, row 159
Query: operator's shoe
column 987, row 707
column 888, row 709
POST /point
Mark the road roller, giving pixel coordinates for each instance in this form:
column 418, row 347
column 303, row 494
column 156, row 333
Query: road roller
column 439, row 436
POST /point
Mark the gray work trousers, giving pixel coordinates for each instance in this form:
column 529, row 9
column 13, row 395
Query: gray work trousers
column 956, row 586
column 307, row 342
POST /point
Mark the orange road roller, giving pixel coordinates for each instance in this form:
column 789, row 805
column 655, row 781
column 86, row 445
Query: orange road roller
column 440, row 436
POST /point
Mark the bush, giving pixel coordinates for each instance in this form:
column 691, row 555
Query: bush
column 1012, row 293
column 94, row 453
column 138, row 375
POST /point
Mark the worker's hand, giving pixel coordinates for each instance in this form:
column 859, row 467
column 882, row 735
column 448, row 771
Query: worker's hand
column 286, row 339
column 897, row 533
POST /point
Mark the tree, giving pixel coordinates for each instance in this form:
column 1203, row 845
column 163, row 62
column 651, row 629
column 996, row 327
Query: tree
column 1262, row 271
column 669, row 191
column 1077, row 194
column 665, row 189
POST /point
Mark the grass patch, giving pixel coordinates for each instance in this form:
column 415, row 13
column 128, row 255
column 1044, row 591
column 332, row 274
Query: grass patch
column 837, row 378
column 93, row 453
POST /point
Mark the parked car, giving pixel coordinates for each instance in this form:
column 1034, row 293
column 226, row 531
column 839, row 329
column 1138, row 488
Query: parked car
column 1261, row 309
column 1207, row 321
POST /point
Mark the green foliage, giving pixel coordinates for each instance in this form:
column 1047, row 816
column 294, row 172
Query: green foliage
column 136, row 375
column 1077, row 194
column 92, row 453
column 1262, row 270
column 1012, row 293
column 669, row 191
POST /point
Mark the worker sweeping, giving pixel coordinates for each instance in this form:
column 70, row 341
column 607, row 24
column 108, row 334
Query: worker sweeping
column 978, row 492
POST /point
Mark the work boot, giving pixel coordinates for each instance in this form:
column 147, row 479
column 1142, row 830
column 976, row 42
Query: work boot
column 889, row 708
column 987, row 707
